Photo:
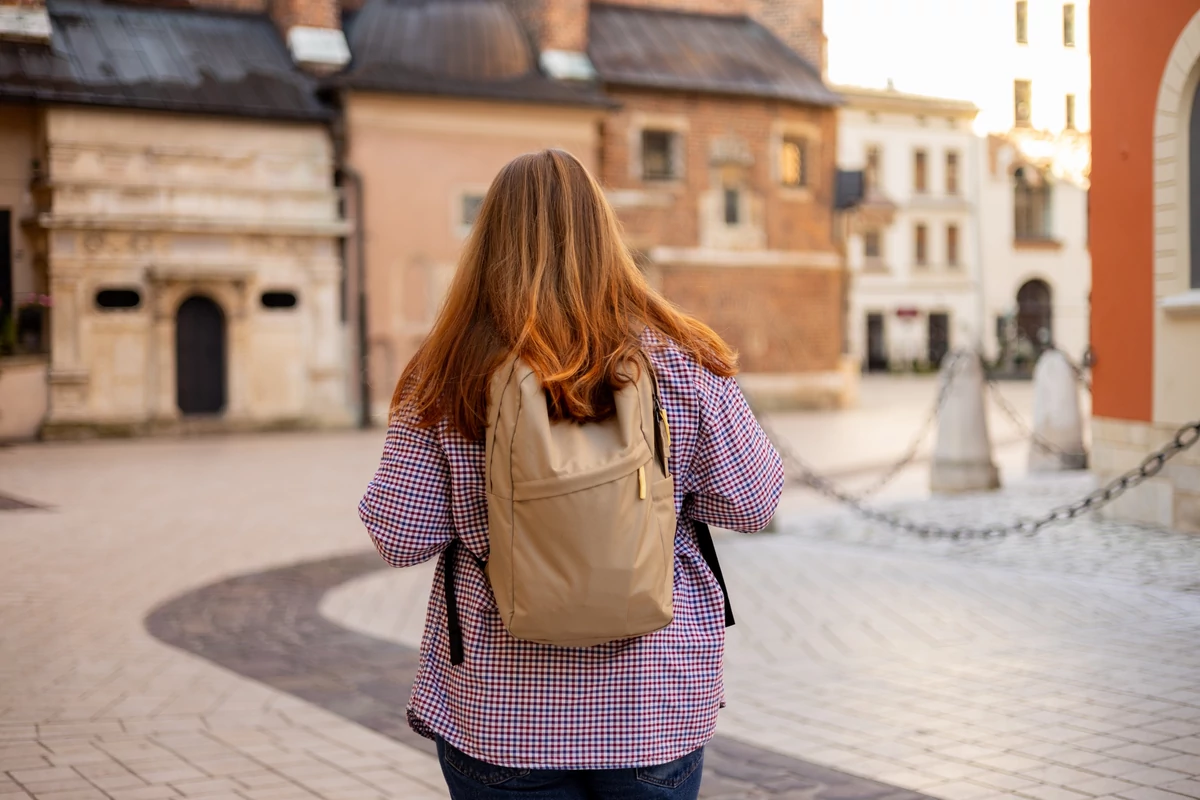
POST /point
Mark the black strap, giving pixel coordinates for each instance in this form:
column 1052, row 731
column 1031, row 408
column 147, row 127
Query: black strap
column 709, row 551
column 452, row 624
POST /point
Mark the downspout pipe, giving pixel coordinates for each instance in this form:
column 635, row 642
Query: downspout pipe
column 360, row 270
column 348, row 177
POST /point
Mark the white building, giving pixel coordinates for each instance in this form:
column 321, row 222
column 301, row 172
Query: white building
column 1026, row 65
column 912, row 245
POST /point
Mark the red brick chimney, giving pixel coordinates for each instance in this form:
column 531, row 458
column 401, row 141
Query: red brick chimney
column 559, row 29
column 313, row 32
column 24, row 21
column 799, row 23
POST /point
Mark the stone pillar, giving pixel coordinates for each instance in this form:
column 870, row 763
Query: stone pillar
column 1057, row 420
column 962, row 457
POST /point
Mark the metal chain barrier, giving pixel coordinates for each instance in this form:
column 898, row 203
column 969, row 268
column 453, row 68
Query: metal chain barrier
column 914, row 446
column 1035, row 438
column 1184, row 438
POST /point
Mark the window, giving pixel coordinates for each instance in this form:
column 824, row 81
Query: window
column 1022, row 22
column 952, row 245
column 732, row 206
column 952, row 172
column 471, row 203
column 872, row 244
column 1022, row 102
column 110, row 299
column 922, row 250
column 1070, row 112
column 920, row 173
column 1031, row 205
column 658, row 156
column 278, row 300
column 1069, row 25
column 793, row 162
column 871, row 172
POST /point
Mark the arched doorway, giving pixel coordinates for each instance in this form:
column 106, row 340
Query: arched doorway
column 1035, row 329
column 200, row 356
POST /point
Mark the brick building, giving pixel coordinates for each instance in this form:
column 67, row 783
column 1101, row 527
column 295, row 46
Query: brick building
column 306, row 170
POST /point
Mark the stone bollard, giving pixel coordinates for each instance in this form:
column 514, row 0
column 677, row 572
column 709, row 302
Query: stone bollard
column 1057, row 420
column 962, row 457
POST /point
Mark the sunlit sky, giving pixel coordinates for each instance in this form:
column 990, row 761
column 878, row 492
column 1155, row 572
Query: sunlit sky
column 925, row 46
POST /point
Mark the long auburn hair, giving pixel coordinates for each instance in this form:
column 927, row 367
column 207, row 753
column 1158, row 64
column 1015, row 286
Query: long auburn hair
column 545, row 274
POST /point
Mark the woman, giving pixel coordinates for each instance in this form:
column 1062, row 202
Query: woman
column 545, row 275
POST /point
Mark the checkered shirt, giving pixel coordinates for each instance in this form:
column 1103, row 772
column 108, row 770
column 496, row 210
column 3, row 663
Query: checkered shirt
column 633, row 702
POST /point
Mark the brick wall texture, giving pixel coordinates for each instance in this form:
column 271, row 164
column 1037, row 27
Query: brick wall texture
column 780, row 320
column 792, row 223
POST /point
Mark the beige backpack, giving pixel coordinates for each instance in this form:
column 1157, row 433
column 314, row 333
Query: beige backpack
column 581, row 517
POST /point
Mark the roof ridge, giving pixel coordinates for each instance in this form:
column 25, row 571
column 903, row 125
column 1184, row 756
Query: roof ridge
column 677, row 12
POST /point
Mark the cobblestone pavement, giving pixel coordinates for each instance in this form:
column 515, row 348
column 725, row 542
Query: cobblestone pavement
column 1060, row 667
column 1056, row 667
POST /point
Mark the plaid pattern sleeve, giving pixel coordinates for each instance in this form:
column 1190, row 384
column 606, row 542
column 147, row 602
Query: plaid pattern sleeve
column 407, row 505
column 629, row 703
column 736, row 477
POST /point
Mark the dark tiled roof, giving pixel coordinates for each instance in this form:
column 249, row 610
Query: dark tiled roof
column 699, row 52
column 157, row 58
column 469, row 48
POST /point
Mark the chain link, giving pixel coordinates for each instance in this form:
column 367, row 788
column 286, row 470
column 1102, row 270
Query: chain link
column 1035, row 438
column 1184, row 438
column 914, row 447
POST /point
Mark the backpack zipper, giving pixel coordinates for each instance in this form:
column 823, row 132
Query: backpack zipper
column 641, row 483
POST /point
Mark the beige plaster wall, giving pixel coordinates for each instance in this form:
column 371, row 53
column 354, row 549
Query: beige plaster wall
column 172, row 206
column 418, row 156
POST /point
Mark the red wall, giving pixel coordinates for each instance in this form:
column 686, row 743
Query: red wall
column 1131, row 41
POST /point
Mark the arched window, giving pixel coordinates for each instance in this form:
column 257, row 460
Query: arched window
column 1031, row 205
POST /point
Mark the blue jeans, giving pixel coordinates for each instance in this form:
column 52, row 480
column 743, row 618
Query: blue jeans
column 472, row 779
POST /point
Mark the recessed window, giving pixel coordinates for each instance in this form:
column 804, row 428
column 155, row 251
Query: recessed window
column 872, row 243
column 952, row 172
column 1022, row 22
column 471, row 203
column 921, row 235
column 732, row 206
column 793, row 162
column 1031, row 205
column 278, row 300
column 871, row 173
column 112, row 299
column 952, row 245
column 1023, row 103
column 1070, row 112
column 658, row 155
column 1069, row 25
column 920, row 171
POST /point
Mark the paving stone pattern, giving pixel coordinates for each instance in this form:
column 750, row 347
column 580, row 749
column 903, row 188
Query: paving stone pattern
column 267, row 626
column 1062, row 666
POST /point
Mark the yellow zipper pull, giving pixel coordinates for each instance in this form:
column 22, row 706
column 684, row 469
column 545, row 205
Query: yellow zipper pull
column 662, row 412
column 641, row 483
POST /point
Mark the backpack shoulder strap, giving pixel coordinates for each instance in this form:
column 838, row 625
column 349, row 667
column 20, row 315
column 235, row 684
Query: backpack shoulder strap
column 703, row 535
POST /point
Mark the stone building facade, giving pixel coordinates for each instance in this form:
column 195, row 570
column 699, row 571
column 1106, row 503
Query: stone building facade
column 181, row 227
column 247, row 213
